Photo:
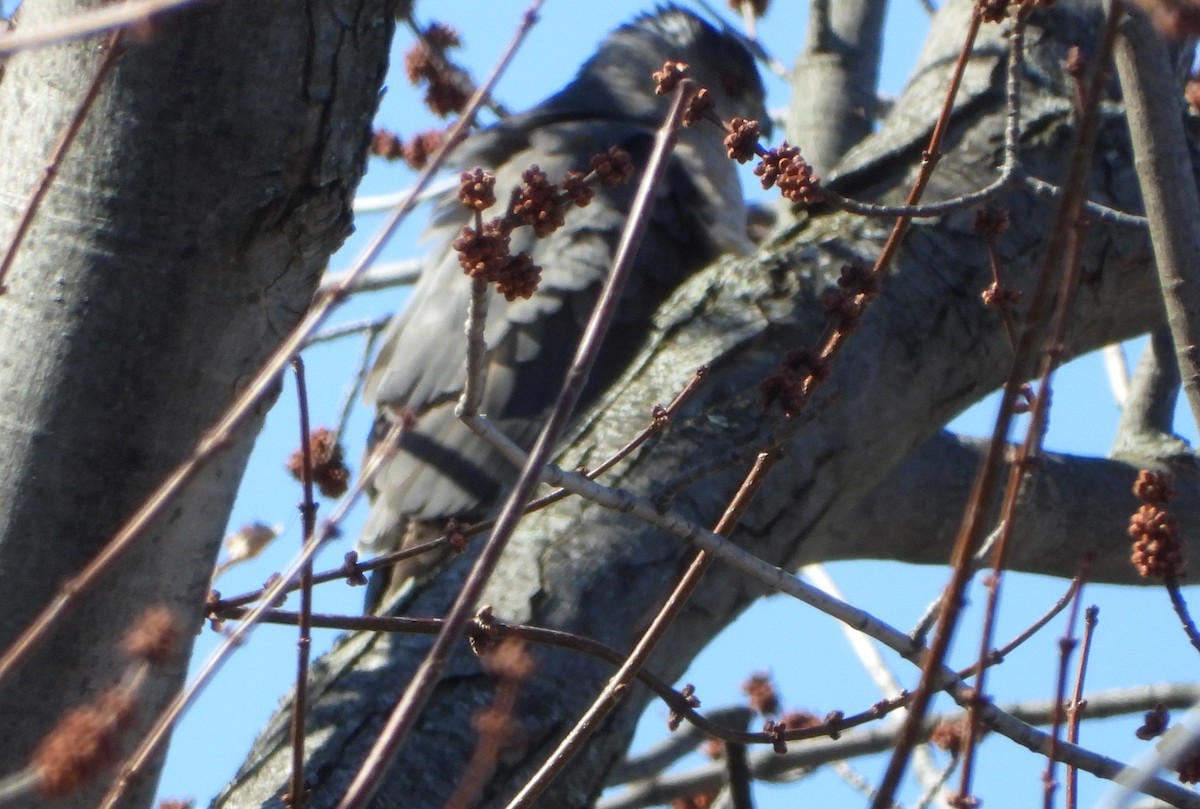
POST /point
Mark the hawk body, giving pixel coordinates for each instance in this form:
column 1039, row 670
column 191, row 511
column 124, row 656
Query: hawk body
column 441, row 470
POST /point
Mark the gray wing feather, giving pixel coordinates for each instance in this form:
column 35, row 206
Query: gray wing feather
column 442, row 469
column 574, row 258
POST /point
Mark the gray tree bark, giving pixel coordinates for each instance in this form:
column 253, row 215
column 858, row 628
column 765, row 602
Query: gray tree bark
column 182, row 238
column 868, row 475
column 1160, row 151
column 834, row 82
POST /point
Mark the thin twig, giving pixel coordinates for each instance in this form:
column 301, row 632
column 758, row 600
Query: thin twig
column 1009, row 177
column 873, row 663
column 378, row 276
column 1066, row 646
column 774, row 577
column 477, row 309
column 1181, row 610
column 1094, row 210
column 989, row 192
column 368, row 326
column 898, row 641
column 688, row 737
column 721, row 460
column 361, row 369
column 998, row 654
column 660, row 419
column 308, row 514
column 1002, row 304
column 933, row 790
column 714, row 724
column 1078, row 703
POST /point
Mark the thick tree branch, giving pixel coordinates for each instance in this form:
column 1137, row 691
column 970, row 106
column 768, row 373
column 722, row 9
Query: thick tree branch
column 1072, row 505
column 1145, row 433
column 835, row 80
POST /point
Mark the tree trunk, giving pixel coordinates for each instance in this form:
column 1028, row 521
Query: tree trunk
column 867, row 475
column 182, row 238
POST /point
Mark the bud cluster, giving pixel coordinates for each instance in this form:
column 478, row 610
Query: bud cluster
column 1157, row 550
column 538, row 203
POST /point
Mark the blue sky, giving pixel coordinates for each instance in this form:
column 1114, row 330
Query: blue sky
column 217, row 732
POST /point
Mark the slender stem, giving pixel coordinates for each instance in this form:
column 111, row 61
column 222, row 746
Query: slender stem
column 308, row 514
column 1066, row 645
column 361, row 369
column 998, row 654
column 1075, row 709
column 369, row 326
column 476, row 348
column 1181, row 609
column 496, row 628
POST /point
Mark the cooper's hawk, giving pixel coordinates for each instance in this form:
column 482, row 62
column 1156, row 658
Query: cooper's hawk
column 442, row 470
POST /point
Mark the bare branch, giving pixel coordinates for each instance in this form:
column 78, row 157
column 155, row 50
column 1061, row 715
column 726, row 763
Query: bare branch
column 773, row 767
column 1154, row 108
